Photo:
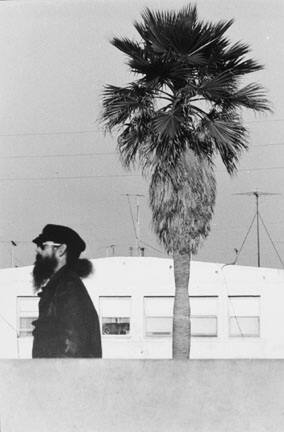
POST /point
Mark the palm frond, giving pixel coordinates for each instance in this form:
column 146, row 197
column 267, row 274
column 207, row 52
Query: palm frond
column 134, row 142
column 242, row 67
column 236, row 51
column 218, row 87
column 128, row 47
column 168, row 71
column 152, row 68
column 128, row 144
column 155, row 29
column 120, row 103
column 178, row 33
column 229, row 137
column 252, row 96
column 167, row 123
column 188, row 14
column 221, row 27
column 218, row 31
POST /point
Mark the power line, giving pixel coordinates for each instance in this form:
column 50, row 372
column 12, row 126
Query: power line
column 120, row 175
column 91, row 154
column 256, row 169
column 91, row 131
column 236, row 229
column 78, row 132
column 266, row 145
column 69, row 177
column 60, row 155
column 264, row 121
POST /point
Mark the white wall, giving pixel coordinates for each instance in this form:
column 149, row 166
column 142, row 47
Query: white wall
column 145, row 276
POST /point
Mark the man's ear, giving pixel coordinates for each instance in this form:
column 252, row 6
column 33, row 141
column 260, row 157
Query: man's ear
column 62, row 250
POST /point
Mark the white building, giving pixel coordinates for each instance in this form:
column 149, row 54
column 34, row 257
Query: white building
column 236, row 310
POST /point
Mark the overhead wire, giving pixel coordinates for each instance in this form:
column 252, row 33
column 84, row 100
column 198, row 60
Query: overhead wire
column 59, row 155
column 21, row 134
column 80, row 177
column 69, row 177
column 91, row 154
column 93, row 131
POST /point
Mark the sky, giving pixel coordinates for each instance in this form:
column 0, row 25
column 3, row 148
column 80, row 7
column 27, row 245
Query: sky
column 57, row 165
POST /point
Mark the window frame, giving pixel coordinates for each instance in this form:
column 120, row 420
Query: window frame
column 20, row 329
column 150, row 336
column 207, row 335
column 155, row 336
column 101, row 316
column 205, row 316
column 236, row 317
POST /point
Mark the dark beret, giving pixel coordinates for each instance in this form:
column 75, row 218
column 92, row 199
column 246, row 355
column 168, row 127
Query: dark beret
column 61, row 234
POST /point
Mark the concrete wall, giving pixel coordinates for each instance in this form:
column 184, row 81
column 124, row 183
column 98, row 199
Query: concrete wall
column 142, row 395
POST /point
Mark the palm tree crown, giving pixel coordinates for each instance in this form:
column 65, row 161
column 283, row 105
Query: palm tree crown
column 188, row 94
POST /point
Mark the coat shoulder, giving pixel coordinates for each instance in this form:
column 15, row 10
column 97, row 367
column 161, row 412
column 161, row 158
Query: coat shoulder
column 70, row 284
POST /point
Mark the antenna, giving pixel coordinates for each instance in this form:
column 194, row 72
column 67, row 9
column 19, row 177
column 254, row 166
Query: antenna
column 110, row 248
column 13, row 245
column 257, row 194
column 135, row 223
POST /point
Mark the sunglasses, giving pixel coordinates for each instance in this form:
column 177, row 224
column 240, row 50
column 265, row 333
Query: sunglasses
column 42, row 245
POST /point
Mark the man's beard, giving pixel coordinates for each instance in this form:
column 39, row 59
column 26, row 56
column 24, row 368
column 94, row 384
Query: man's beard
column 44, row 267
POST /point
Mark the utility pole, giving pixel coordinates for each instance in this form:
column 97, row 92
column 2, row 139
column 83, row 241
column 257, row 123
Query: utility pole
column 257, row 195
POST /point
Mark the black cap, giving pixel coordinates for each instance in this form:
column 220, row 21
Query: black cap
column 61, row 234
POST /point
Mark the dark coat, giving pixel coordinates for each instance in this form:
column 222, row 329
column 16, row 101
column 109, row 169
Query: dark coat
column 68, row 324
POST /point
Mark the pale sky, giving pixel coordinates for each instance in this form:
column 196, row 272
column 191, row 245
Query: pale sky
column 58, row 167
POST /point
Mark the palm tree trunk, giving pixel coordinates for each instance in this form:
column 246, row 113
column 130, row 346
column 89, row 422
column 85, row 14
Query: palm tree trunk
column 181, row 317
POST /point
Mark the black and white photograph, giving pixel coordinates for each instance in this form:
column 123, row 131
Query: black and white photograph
column 141, row 203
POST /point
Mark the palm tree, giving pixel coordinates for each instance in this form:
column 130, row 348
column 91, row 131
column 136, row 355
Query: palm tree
column 182, row 111
column 182, row 211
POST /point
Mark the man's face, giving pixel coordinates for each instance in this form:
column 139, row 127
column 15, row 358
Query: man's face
column 45, row 263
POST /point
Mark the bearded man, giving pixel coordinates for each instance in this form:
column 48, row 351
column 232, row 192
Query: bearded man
column 68, row 324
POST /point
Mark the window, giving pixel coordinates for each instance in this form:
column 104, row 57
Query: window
column 158, row 316
column 204, row 316
column 27, row 308
column 115, row 315
column 244, row 316
column 158, row 313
